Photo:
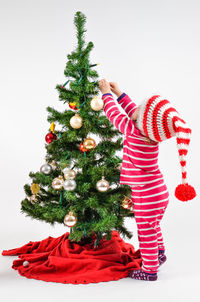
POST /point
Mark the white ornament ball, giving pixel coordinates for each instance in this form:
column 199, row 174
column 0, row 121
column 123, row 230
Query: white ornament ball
column 25, row 263
column 66, row 170
column 102, row 185
column 69, row 184
column 76, row 121
column 97, row 103
column 46, row 169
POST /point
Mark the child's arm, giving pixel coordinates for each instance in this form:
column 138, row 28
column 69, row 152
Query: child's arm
column 127, row 104
column 121, row 121
column 123, row 99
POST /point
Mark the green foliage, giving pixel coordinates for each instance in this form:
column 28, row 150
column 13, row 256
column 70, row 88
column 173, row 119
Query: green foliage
column 97, row 212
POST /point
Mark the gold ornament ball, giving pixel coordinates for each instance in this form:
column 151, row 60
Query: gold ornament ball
column 70, row 219
column 89, row 143
column 96, row 103
column 76, row 121
column 35, row 188
column 126, row 203
column 102, row 185
column 70, row 175
column 57, row 183
column 33, row 198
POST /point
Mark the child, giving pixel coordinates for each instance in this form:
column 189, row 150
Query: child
column 141, row 172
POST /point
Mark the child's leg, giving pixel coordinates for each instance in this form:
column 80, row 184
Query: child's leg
column 161, row 246
column 149, row 203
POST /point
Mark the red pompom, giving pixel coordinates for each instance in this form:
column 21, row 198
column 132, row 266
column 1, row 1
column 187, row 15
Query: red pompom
column 185, row 192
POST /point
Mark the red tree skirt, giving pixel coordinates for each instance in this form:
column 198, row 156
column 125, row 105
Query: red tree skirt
column 60, row 260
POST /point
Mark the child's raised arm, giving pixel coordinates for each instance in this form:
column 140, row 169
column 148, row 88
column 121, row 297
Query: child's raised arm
column 127, row 104
column 123, row 99
column 121, row 121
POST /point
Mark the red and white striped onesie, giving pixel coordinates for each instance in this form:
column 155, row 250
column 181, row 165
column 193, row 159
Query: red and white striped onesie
column 141, row 172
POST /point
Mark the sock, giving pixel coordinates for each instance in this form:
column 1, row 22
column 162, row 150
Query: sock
column 161, row 251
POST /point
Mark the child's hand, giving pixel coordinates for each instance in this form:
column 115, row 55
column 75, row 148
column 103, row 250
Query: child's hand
column 104, row 86
column 115, row 88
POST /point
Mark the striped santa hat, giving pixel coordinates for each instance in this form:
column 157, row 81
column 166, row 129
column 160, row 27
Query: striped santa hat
column 158, row 120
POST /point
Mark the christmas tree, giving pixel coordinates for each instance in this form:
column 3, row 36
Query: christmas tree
column 78, row 185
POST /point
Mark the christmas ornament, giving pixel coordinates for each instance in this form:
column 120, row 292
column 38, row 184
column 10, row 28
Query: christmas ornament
column 89, row 143
column 102, row 185
column 126, row 203
column 57, row 183
column 119, row 166
column 66, row 170
column 71, row 174
column 70, row 219
column 25, row 263
column 53, row 164
column 73, row 105
column 96, row 103
column 52, row 127
column 50, row 137
column 46, row 169
column 33, row 198
column 76, row 121
column 35, row 188
column 81, row 147
column 69, row 184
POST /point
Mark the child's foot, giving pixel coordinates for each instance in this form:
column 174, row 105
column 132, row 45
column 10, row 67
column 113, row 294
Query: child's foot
column 141, row 275
column 161, row 257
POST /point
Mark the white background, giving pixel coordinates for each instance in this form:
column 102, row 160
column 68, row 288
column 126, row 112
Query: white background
column 146, row 47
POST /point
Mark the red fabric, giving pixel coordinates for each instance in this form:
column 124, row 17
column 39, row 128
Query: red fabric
column 60, row 260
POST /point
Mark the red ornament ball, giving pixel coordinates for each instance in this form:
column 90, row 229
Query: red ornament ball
column 50, row 137
column 81, row 147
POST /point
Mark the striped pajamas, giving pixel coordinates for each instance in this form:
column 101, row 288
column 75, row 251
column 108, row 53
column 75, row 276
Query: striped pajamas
column 149, row 204
column 141, row 172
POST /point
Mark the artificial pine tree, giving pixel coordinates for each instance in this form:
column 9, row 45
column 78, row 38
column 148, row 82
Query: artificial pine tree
column 75, row 187
column 94, row 212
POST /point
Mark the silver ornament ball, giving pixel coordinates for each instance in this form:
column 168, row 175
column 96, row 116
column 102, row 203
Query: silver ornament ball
column 46, row 169
column 69, row 184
